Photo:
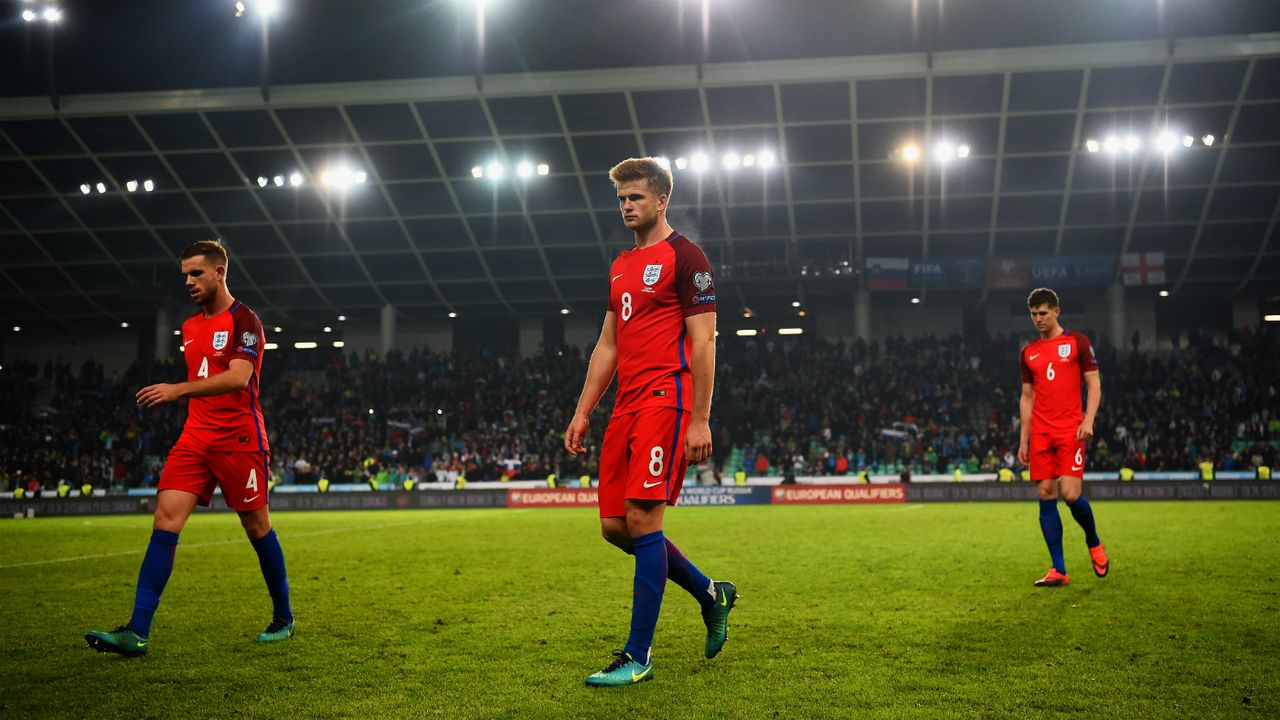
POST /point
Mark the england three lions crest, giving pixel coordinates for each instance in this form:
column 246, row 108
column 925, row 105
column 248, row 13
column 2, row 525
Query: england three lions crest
column 651, row 274
column 702, row 281
column 220, row 339
column 1064, row 350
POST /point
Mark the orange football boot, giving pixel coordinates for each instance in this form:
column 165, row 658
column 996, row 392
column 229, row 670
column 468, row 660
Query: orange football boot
column 1053, row 578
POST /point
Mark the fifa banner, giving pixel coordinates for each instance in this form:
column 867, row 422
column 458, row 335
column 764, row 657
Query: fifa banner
column 950, row 272
column 838, row 494
column 1077, row 271
column 690, row 496
column 887, row 273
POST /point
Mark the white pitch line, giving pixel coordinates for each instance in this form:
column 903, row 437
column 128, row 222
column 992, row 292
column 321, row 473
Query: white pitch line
column 200, row 545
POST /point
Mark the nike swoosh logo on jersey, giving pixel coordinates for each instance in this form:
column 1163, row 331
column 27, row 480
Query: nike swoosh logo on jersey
column 1078, row 468
column 1033, row 357
column 655, row 483
column 249, row 500
column 187, row 342
column 615, row 277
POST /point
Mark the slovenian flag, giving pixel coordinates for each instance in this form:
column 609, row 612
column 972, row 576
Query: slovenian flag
column 887, row 273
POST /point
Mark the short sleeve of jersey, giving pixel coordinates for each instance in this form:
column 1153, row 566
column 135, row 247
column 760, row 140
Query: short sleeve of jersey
column 247, row 336
column 1027, row 377
column 694, row 283
column 1088, row 358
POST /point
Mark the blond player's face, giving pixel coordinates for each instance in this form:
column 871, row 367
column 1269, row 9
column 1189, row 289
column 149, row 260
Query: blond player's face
column 640, row 205
column 203, row 278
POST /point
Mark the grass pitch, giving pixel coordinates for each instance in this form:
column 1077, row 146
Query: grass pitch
column 848, row 611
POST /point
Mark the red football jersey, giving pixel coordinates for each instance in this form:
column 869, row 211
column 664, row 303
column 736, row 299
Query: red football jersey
column 231, row 421
column 1055, row 368
column 651, row 292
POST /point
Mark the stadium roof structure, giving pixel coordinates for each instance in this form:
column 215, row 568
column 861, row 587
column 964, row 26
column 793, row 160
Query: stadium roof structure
column 344, row 197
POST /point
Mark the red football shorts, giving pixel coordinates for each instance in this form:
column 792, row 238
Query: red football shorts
column 642, row 458
column 1053, row 456
column 243, row 476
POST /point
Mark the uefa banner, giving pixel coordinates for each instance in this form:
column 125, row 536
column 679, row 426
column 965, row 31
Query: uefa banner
column 717, row 495
column 838, row 494
column 552, row 497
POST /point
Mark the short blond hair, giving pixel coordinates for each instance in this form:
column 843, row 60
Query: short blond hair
column 212, row 250
column 647, row 169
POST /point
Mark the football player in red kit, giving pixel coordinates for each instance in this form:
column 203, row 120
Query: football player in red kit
column 1054, row 431
column 223, row 444
column 659, row 336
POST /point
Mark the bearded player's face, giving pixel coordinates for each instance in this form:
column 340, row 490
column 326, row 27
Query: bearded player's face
column 202, row 278
column 640, row 205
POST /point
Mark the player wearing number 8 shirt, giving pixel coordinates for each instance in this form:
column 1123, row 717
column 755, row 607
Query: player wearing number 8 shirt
column 1054, row 432
column 223, row 444
column 659, row 336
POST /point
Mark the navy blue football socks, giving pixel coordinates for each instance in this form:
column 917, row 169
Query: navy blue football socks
column 687, row 575
column 646, row 601
column 271, row 560
column 157, row 566
column 1083, row 513
column 1051, row 526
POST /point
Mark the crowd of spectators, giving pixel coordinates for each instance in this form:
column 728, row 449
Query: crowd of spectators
column 782, row 406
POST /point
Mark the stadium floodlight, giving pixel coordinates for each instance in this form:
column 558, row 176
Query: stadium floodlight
column 1111, row 145
column 524, row 169
column 795, row 303
column 944, row 151
column 453, row 314
column 360, row 176
column 279, row 329
column 749, row 332
column 102, row 188
column 747, row 313
column 766, row 159
column 477, row 172
column 342, row 318
column 915, row 301
column 663, row 162
column 682, row 163
column 439, row 411
column 270, row 346
column 131, row 186
column 304, row 345
column 731, row 161
column 748, row 160
column 278, row 180
column 295, row 179
column 17, row 328
column 910, row 153
column 1164, row 293
column 699, row 162
column 1132, row 144
column 52, row 15
column 148, row 185
column 328, row 329
column 543, row 169
column 1167, row 142
column 963, row 151
column 262, row 182
column 790, row 331
column 1208, row 139
column 177, row 332
column 564, row 311
column 1092, row 145
column 1265, row 318
column 240, row 8
column 124, row 324
column 1188, row 141
column 339, row 344
column 29, row 15
column 494, row 171
column 85, row 189
column 269, row 7
column 802, row 313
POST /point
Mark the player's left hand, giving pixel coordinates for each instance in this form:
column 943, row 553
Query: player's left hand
column 153, row 395
column 1085, row 431
column 697, row 443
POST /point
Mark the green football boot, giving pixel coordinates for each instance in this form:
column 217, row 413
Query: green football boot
column 123, row 640
column 278, row 630
column 624, row 670
column 717, row 617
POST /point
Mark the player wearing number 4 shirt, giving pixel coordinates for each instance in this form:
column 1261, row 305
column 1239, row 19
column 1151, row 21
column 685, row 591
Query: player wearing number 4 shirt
column 659, row 336
column 223, row 444
column 1054, row 432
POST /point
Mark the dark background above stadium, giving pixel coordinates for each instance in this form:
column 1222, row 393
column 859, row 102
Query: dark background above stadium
column 138, row 45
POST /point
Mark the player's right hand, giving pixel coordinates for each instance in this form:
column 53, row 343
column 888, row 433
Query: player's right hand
column 574, row 434
column 1022, row 453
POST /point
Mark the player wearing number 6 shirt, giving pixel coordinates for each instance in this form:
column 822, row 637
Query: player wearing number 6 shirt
column 1054, row 432
column 223, row 444
column 659, row 336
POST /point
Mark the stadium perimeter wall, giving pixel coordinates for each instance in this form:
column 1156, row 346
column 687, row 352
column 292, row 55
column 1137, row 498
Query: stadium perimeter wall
column 833, row 494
